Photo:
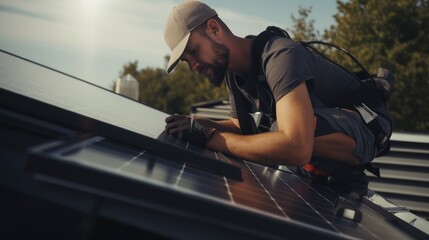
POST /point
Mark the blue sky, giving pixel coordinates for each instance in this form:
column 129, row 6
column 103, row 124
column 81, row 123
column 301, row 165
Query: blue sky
column 93, row 39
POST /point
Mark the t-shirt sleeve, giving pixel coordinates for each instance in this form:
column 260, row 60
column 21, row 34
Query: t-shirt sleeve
column 286, row 64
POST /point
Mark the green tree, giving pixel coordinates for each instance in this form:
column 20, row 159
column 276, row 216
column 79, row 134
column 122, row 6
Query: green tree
column 303, row 28
column 172, row 93
column 393, row 35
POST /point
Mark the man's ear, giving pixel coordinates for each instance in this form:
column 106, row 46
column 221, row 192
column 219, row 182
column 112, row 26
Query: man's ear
column 214, row 30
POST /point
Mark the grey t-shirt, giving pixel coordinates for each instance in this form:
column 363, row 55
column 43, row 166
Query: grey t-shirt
column 287, row 64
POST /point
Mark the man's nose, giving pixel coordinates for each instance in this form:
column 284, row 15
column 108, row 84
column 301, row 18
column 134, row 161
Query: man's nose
column 193, row 65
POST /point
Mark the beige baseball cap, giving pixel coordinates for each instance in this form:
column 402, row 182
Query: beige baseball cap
column 184, row 18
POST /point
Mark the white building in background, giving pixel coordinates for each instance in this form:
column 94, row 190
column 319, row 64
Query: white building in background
column 128, row 86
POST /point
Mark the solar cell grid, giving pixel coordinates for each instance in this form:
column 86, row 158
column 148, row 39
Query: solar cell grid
column 264, row 190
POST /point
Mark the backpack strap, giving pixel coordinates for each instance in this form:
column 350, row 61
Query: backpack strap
column 247, row 124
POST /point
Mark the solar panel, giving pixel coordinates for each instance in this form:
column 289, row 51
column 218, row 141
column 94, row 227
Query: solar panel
column 276, row 195
column 123, row 154
column 78, row 104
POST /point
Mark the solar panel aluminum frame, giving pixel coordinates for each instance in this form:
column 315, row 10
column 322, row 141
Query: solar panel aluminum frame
column 225, row 221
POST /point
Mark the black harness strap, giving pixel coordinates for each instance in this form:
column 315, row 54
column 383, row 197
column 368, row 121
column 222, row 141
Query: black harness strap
column 247, row 124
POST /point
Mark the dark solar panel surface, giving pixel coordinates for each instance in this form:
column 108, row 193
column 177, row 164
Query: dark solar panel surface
column 263, row 190
column 99, row 110
column 66, row 92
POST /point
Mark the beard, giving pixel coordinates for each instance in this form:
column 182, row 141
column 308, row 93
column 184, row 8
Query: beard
column 219, row 65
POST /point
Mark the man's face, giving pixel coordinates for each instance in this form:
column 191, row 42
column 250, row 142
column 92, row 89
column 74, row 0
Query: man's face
column 207, row 57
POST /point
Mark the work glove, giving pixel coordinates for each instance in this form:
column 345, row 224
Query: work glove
column 188, row 129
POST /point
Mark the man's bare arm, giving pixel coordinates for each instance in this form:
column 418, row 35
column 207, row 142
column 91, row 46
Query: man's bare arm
column 231, row 125
column 291, row 145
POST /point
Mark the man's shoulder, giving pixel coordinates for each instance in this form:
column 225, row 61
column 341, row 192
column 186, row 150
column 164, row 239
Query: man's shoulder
column 277, row 43
column 284, row 50
column 281, row 46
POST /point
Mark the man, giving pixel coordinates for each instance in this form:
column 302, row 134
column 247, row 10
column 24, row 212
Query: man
column 299, row 90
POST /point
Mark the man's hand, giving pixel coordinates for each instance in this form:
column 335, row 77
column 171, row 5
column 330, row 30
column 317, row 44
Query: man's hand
column 189, row 129
column 179, row 126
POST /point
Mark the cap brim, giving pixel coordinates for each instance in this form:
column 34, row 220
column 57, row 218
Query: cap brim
column 177, row 53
